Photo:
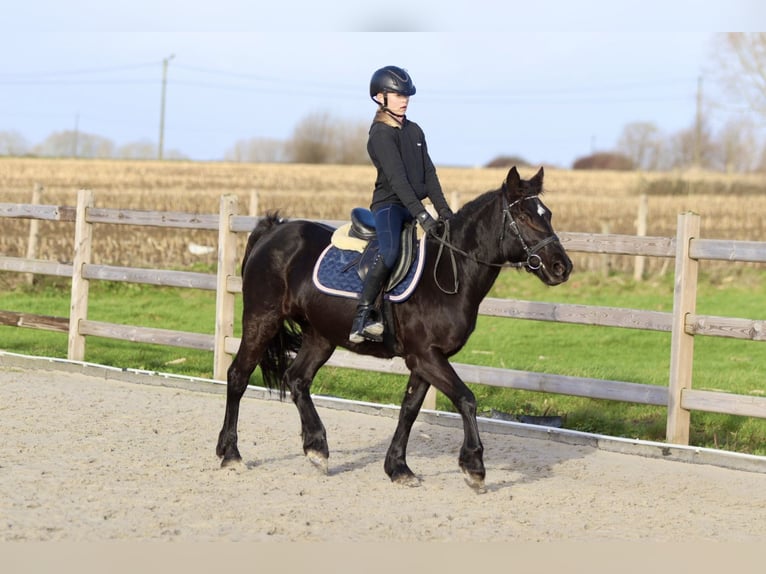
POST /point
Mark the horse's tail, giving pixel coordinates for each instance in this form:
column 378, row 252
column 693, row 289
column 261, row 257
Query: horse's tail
column 278, row 356
column 279, row 352
column 264, row 227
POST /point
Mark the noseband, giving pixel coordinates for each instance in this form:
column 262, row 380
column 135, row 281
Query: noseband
column 534, row 262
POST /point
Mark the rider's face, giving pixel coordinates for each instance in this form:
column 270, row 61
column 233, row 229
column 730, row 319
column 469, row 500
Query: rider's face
column 397, row 103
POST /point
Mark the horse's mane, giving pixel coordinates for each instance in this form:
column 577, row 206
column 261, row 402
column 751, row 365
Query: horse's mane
column 478, row 202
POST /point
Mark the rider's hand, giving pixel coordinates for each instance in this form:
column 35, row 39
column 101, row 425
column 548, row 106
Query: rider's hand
column 428, row 223
column 446, row 214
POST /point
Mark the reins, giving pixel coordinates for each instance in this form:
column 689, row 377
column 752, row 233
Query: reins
column 533, row 261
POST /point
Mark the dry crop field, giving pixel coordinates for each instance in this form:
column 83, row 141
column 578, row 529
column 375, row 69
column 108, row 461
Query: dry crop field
column 731, row 206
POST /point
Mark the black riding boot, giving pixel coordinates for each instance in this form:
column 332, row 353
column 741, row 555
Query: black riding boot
column 365, row 326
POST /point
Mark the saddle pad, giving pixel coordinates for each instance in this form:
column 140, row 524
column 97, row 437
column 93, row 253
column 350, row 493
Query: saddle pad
column 342, row 240
column 335, row 274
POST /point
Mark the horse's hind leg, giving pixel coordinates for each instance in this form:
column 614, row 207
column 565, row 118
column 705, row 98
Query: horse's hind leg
column 254, row 340
column 314, row 352
column 396, row 464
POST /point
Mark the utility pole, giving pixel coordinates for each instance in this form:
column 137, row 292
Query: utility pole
column 162, row 104
column 76, row 134
column 698, row 127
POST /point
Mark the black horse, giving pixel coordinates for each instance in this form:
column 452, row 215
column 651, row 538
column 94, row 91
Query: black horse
column 284, row 313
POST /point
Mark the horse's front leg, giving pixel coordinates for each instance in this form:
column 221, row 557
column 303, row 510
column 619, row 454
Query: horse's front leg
column 396, row 464
column 436, row 369
column 256, row 334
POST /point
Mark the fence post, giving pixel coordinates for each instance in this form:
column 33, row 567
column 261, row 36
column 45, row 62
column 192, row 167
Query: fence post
column 34, row 230
column 254, row 203
column 83, row 247
column 682, row 343
column 641, row 228
column 224, row 299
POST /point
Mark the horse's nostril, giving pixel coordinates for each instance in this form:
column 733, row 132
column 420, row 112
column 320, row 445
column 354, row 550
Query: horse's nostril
column 561, row 269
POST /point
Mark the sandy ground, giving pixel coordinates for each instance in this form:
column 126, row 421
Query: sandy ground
column 86, row 458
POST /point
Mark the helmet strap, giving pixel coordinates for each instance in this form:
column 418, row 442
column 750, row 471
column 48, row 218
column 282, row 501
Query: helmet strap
column 398, row 117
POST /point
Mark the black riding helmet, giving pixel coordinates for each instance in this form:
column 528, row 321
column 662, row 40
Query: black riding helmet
column 391, row 79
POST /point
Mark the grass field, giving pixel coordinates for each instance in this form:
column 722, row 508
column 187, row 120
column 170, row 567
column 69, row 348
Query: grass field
column 595, row 202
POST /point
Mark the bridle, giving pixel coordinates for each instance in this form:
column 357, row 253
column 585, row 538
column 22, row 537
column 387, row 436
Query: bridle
column 533, row 261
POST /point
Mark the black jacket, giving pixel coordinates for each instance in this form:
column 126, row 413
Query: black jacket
column 406, row 174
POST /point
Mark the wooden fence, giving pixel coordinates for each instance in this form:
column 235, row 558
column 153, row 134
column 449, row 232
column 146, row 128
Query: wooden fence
column 684, row 324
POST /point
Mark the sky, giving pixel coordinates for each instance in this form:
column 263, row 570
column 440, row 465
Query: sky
column 548, row 81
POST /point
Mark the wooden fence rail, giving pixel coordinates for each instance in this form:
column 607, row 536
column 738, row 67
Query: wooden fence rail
column 683, row 323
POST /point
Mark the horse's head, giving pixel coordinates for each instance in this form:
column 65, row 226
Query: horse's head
column 528, row 237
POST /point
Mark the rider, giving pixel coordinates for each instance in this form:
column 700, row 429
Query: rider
column 406, row 175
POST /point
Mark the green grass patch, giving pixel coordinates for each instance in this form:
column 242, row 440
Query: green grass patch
column 629, row 355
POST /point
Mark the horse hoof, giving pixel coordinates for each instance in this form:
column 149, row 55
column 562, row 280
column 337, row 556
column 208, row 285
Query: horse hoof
column 231, row 462
column 407, row 480
column 475, row 482
column 318, row 460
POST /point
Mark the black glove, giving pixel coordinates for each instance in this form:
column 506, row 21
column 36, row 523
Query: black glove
column 446, row 214
column 428, row 223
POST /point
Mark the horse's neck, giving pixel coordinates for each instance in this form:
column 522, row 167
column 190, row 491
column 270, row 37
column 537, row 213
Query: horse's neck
column 477, row 231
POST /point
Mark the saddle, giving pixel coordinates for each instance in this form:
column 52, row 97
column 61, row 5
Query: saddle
column 363, row 227
column 342, row 267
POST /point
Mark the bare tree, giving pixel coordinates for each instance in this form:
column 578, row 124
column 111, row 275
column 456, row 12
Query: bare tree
column 12, row 143
column 642, row 142
column 351, row 143
column 321, row 138
column 92, row 146
column 737, row 147
column 69, row 143
column 312, row 139
column 742, row 67
column 143, row 149
column 691, row 148
column 262, row 150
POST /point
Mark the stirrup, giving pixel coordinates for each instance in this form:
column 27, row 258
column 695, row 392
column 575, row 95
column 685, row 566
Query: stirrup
column 373, row 330
column 365, row 329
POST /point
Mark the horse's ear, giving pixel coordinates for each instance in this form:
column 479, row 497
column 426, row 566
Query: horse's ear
column 537, row 180
column 513, row 179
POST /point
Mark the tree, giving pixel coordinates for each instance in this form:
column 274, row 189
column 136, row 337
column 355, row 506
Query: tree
column 312, row 139
column 12, row 143
column 691, row 148
column 642, row 142
column 321, row 138
column 737, row 147
column 69, row 143
column 351, row 143
column 742, row 67
column 260, row 150
column 604, row 160
column 507, row 161
column 143, row 149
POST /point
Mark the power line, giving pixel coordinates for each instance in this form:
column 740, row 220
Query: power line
column 631, row 91
column 78, row 72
